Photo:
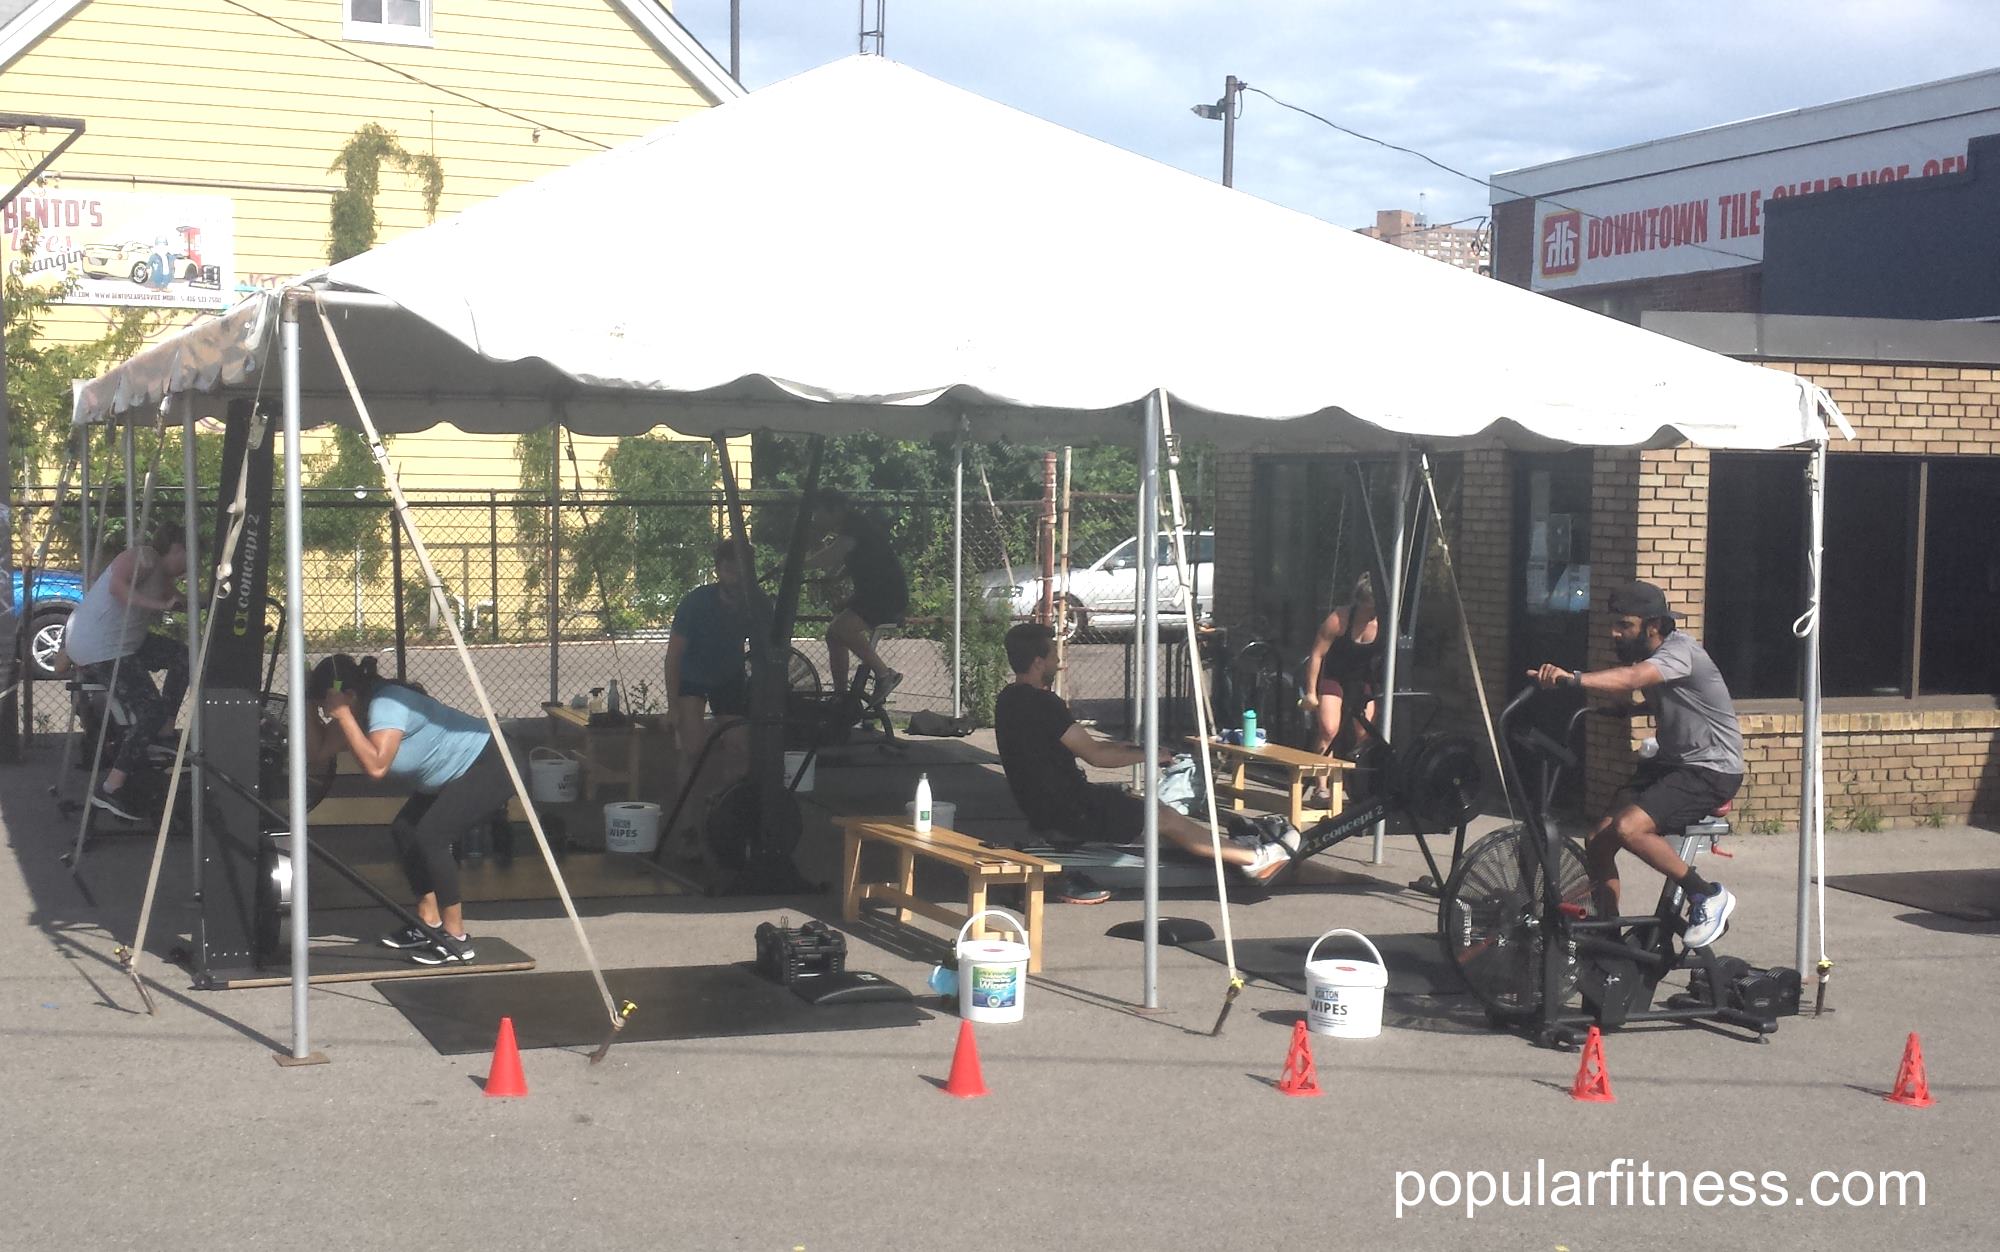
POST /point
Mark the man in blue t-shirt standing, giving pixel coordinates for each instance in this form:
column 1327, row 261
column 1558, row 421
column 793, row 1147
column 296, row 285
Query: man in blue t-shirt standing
column 706, row 662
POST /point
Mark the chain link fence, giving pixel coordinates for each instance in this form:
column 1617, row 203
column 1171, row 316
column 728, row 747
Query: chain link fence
column 622, row 566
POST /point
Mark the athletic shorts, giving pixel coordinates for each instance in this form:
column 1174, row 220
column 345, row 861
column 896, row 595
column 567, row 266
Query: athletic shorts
column 1109, row 814
column 878, row 608
column 1677, row 796
column 729, row 698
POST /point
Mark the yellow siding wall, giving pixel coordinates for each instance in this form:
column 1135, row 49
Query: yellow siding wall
column 202, row 92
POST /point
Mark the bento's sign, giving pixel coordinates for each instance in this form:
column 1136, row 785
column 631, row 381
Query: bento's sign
column 125, row 248
column 1711, row 216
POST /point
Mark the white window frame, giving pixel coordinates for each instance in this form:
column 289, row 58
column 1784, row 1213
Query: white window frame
column 384, row 32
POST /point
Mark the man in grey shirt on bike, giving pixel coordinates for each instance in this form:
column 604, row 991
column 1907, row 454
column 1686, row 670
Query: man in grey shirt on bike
column 1697, row 769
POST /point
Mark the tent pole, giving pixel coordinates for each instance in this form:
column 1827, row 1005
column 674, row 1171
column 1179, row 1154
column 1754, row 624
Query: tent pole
column 88, row 565
column 1149, row 626
column 1810, row 789
column 958, row 572
column 1392, row 624
column 191, row 522
column 295, row 680
column 555, row 559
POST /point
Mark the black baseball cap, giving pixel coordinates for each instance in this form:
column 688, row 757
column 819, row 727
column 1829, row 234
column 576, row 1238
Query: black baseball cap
column 1640, row 599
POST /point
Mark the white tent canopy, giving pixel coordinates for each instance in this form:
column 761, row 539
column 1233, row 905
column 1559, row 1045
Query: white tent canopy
column 864, row 247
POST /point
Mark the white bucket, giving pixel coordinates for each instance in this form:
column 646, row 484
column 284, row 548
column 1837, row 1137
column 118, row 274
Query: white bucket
column 631, row 826
column 944, row 814
column 552, row 776
column 796, row 761
column 1344, row 993
column 992, row 973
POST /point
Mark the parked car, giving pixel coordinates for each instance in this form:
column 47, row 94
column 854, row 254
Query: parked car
column 1104, row 595
column 57, row 593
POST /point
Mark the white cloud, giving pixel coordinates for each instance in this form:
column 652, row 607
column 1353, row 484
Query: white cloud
column 1479, row 87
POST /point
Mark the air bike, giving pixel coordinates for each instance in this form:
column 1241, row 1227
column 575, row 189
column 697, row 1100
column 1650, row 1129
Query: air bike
column 1519, row 923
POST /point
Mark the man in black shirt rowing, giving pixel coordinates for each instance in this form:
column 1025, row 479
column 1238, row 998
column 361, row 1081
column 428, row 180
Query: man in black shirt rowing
column 1041, row 743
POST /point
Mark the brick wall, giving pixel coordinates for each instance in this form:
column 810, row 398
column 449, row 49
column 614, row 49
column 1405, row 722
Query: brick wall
column 1939, row 410
column 1887, row 769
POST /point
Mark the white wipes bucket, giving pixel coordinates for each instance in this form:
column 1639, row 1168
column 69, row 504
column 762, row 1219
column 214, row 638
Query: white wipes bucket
column 992, row 973
column 796, row 761
column 944, row 814
column 631, row 826
column 552, row 776
column 1344, row 993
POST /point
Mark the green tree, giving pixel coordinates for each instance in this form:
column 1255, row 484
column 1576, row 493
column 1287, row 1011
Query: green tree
column 345, row 464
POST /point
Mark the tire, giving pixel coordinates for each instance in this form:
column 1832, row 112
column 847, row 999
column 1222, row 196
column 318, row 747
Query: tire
column 1489, row 920
column 142, row 274
column 802, row 676
column 1076, row 619
column 45, row 639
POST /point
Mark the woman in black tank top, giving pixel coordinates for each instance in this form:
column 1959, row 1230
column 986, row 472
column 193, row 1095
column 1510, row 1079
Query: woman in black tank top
column 1340, row 671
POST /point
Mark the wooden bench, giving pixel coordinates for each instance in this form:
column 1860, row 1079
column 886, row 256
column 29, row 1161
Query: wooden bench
column 604, row 763
column 983, row 868
column 1299, row 768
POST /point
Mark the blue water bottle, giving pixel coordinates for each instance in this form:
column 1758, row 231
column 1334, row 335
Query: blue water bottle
column 1249, row 728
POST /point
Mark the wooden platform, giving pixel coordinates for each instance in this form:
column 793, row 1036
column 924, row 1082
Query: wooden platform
column 981, row 866
column 368, row 961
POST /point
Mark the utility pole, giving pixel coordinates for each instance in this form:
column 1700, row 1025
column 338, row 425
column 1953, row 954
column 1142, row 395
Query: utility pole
column 1224, row 111
column 875, row 34
column 736, row 40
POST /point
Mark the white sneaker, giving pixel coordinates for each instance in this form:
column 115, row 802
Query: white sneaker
column 1708, row 917
column 1270, row 860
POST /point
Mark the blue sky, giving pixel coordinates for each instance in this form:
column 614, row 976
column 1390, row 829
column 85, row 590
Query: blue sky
column 1480, row 87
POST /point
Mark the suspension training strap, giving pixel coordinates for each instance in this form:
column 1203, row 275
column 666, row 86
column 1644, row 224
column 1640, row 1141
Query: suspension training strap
column 1465, row 629
column 437, row 591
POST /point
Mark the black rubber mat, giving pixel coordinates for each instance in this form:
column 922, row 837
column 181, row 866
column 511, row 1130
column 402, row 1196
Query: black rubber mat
column 563, row 1010
column 1416, row 966
column 1971, row 895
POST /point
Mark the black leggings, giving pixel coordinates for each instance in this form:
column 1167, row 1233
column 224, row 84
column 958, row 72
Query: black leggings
column 427, row 825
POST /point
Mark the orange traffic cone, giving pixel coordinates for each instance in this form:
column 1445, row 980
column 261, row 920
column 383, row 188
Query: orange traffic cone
column 505, row 1077
column 1593, row 1080
column 1912, row 1087
column 965, row 1081
column 1301, row 1076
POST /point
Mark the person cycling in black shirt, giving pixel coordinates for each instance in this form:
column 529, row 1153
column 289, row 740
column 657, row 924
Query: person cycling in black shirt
column 881, row 592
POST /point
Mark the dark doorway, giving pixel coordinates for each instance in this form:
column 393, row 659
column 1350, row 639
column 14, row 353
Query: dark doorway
column 1550, row 585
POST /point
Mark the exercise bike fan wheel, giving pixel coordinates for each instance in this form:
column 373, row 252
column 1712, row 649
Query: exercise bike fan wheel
column 1490, row 920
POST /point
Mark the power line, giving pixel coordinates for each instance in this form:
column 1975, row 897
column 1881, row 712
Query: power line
column 1458, row 173
column 421, row 82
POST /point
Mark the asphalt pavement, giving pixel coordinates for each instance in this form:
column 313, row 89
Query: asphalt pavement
column 1108, row 1126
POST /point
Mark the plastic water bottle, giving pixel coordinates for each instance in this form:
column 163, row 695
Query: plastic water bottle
column 1249, row 728
column 614, row 698
column 923, row 822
